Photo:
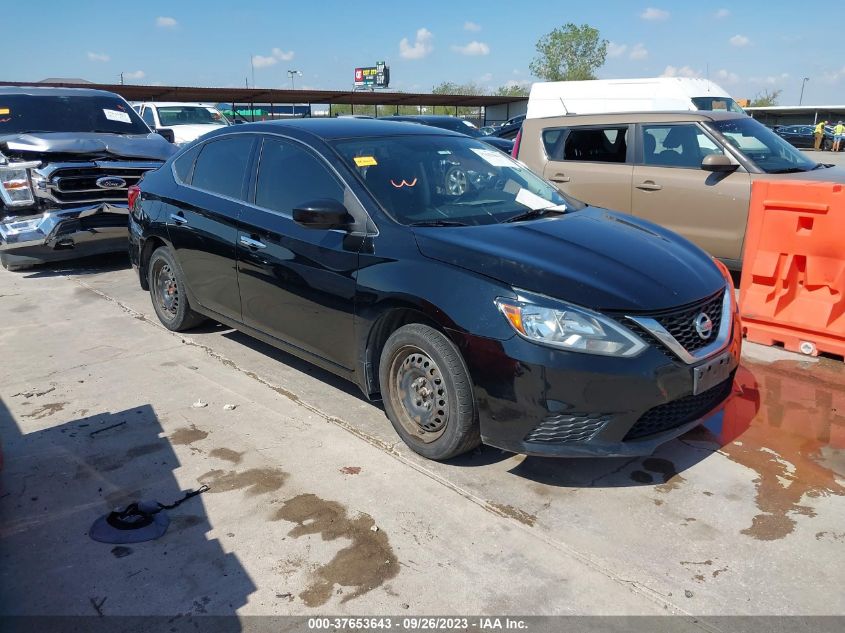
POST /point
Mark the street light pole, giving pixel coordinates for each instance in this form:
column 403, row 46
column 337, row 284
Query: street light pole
column 801, row 98
column 292, row 74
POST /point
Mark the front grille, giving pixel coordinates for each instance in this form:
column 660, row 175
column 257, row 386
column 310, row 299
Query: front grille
column 568, row 428
column 680, row 323
column 673, row 414
column 79, row 184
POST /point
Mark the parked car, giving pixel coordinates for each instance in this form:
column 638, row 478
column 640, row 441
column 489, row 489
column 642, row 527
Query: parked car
column 509, row 131
column 511, row 314
column 456, row 125
column 188, row 121
column 487, row 130
column 804, row 135
column 514, row 120
column 67, row 159
column 690, row 172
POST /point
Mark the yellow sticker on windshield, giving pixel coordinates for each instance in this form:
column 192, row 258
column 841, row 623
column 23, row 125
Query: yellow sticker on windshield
column 365, row 161
column 4, row 111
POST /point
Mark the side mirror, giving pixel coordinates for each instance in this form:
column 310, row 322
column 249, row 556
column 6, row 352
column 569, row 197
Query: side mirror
column 322, row 214
column 167, row 133
column 718, row 163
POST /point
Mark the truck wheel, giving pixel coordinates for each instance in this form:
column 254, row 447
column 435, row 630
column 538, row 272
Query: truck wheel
column 167, row 290
column 427, row 393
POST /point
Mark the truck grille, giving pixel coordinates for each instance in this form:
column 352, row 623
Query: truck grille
column 673, row 414
column 72, row 184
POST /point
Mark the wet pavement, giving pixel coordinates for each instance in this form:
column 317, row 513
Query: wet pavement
column 743, row 515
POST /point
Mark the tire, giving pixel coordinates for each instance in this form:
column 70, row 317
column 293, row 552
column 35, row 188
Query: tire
column 12, row 263
column 826, row 145
column 167, row 285
column 427, row 393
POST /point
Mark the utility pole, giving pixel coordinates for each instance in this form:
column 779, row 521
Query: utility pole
column 121, row 79
column 252, row 65
column 801, row 98
column 292, row 74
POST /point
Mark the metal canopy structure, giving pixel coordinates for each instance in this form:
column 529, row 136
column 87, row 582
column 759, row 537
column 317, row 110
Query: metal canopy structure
column 265, row 95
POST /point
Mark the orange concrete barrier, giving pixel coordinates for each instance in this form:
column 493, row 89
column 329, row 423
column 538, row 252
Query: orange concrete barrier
column 793, row 277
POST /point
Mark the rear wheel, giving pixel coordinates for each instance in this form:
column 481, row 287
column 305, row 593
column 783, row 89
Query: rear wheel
column 826, row 145
column 427, row 393
column 167, row 290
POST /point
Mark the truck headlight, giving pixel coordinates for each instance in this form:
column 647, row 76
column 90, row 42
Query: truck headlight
column 15, row 188
column 570, row 328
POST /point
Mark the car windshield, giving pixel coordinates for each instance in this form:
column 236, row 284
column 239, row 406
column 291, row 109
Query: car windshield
column 43, row 113
column 190, row 115
column 717, row 103
column 763, row 147
column 448, row 180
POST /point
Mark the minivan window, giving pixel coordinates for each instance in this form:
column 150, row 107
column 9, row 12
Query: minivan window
column 604, row 144
column 221, row 166
column 763, row 147
column 681, row 145
column 289, row 175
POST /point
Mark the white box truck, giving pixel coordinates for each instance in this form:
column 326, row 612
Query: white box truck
column 558, row 98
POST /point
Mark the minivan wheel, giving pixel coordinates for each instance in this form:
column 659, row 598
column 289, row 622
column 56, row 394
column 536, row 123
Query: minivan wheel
column 427, row 393
column 167, row 290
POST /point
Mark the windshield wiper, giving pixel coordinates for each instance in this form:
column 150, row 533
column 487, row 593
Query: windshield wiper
column 438, row 223
column 533, row 213
column 789, row 170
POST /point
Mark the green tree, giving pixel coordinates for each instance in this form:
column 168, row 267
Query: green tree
column 569, row 53
column 452, row 88
column 766, row 98
column 512, row 90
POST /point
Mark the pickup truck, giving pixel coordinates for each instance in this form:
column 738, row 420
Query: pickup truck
column 67, row 159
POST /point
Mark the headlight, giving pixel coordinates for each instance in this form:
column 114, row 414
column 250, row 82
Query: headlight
column 571, row 328
column 15, row 189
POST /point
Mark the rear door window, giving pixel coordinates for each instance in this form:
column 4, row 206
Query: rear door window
column 607, row 144
column 222, row 165
column 680, row 145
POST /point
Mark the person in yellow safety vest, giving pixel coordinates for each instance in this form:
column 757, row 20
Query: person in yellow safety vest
column 819, row 136
column 838, row 135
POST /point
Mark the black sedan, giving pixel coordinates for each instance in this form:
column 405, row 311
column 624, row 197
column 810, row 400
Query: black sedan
column 508, row 314
column 804, row 135
column 457, row 125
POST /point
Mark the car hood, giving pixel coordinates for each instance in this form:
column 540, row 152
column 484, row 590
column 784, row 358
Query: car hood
column 145, row 146
column 500, row 143
column 187, row 133
column 594, row 258
column 828, row 174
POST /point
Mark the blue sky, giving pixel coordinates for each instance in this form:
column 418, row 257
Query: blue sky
column 746, row 47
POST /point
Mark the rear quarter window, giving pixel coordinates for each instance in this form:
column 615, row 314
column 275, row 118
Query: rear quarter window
column 594, row 144
column 183, row 166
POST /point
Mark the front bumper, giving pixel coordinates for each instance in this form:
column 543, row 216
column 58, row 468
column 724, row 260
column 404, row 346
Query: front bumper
column 63, row 233
column 537, row 400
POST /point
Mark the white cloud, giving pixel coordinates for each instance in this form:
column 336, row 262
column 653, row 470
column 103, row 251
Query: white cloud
column 833, row 76
column 739, row 41
column 472, row 26
column 276, row 55
column 281, row 55
column 638, row 52
column 521, row 83
column 473, row 48
column 721, row 14
column 138, row 74
column 420, row 48
column 615, row 50
column 770, row 80
column 98, row 57
column 164, row 22
column 485, row 78
column 654, row 14
column 727, row 77
column 683, row 71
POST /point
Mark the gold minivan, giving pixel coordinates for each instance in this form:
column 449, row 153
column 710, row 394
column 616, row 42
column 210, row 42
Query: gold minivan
column 690, row 172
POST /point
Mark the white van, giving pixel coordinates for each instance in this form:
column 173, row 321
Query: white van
column 558, row 98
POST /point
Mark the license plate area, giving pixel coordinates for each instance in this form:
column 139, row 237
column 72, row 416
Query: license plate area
column 713, row 372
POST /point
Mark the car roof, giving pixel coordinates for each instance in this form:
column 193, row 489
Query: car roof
column 169, row 104
column 38, row 91
column 422, row 117
column 345, row 127
column 650, row 116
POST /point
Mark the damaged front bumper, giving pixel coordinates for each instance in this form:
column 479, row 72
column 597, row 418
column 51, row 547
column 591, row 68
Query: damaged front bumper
column 60, row 234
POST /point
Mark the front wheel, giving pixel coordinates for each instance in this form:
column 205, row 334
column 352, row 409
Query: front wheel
column 167, row 290
column 427, row 393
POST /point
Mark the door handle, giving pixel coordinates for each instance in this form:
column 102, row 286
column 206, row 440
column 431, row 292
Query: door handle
column 649, row 185
column 251, row 243
column 559, row 178
column 178, row 218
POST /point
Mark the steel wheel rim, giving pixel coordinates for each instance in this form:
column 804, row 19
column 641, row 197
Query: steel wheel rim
column 456, row 182
column 167, row 290
column 419, row 394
